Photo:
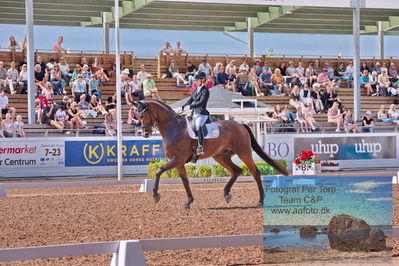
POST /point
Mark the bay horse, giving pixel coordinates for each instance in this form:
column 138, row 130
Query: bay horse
column 234, row 138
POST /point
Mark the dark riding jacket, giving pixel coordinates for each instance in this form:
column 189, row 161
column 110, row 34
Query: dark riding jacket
column 199, row 100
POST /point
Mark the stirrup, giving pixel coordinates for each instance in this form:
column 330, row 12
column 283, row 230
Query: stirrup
column 200, row 150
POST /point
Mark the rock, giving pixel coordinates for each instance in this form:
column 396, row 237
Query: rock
column 308, row 232
column 275, row 230
column 348, row 233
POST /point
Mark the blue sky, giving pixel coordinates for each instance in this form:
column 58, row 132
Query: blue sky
column 149, row 42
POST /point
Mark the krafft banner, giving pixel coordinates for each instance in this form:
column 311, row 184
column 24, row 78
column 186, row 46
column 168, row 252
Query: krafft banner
column 349, row 148
column 30, row 153
column 104, row 153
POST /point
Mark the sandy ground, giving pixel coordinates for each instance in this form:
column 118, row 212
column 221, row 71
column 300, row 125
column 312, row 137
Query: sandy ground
column 36, row 217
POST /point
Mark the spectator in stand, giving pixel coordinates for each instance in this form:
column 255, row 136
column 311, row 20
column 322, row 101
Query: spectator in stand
column 383, row 116
column 210, row 83
column 13, row 44
column 393, row 113
column 316, row 98
column 278, row 82
column 174, row 71
column 329, row 97
column 323, row 80
column 179, row 50
column 363, row 67
column 39, row 61
column 377, row 68
column 3, row 75
column 76, row 72
column 96, row 66
column 65, row 103
column 280, row 115
column 110, row 104
column 317, row 67
column 39, row 109
column 191, row 69
column 57, row 81
column 57, row 47
column 341, row 72
column 231, row 67
column 94, row 87
column 50, row 65
column 384, row 67
column 266, row 66
column 266, row 83
column 205, row 67
column 244, row 65
column 242, row 83
column 48, row 116
column 12, row 78
column 110, row 125
column 149, row 88
column 19, row 127
column 7, row 126
column 97, row 106
column 290, row 115
column 258, row 68
column 40, row 77
column 84, row 108
column 78, row 87
column 350, row 124
column 368, row 122
column 4, row 106
column 330, row 73
column 283, row 69
column 300, row 70
column 168, row 49
column 101, row 77
column 86, row 72
column 292, row 76
column 73, row 117
column 310, row 74
column 222, row 78
column 393, row 73
column 300, row 118
column 294, row 98
column 125, row 82
column 83, row 62
column 136, row 90
column 253, row 78
column 133, row 117
column 46, row 89
column 216, row 69
column 365, row 82
column 142, row 74
column 375, row 86
column 64, row 68
column 231, row 81
column 334, row 116
column 308, row 114
column 62, row 118
column 23, row 79
column 350, row 69
column 305, row 96
column 384, row 83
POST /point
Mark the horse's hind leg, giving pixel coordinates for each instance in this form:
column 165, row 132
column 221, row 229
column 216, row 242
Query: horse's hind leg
column 225, row 161
column 183, row 176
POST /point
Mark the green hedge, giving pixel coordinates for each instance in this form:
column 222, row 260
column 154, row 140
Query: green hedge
column 215, row 170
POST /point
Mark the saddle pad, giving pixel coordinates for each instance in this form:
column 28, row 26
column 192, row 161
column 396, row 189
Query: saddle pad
column 211, row 130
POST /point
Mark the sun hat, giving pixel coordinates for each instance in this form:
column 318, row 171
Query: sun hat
column 368, row 113
column 126, row 71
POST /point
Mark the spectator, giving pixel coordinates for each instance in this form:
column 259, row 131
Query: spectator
column 3, row 76
column 179, row 50
column 4, row 106
column 73, row 117
column 40, row 77
column 253, row 78
column 23, row 79
column 300, row 118
column 329, row 97
column 7, row 126
column 110, row 103
column 349, row 124
column 305, row 96
column 244, row 65
column 19, row 127
column 142, row 74
column 133, row 118
column 39, row 61
column 278, row 82
column 242, row 83
column 76, row 72
column 97, row 106
column 62, row 118
column 323, row 80
column 64, row 68
column 222, row 78
column 86, row 72
column 294, row 98
column 283, row 69
column 375, row 86
column 216, row 69
column 78, row 87
column 287, row 113
column 363, row 67
column 292, row 75
column 65, row 104
column 168, row 49
column 349, row 69
column 231, row 67
column 393, row 113
column 84, row 108
column 48, row 116
column 95, row 66
column 94, row 87
column 310, row 74
column 300, row 70
column 50, row 65
column 57, row 48
column 368, row 123
column 175, row 73
column 317, row 67
column 316, row 98
column 206, row 68
column 393, row 73
column 110, row 125
column 13, row 44
column 101, row 77
column 231, row 81
column 341, row 72
column 124, row 81
column 266, row 66
column 334, row 116
column 331, row 76
column 12, row 78
column 384, row 83
column 308, row 114
column 377, row 68
column 83, row 62
column 136, row 91
column 257, row 68
column 149, row 88
column 365, row 82
column 383, row 116
column 266, row 83
column 46, row 89
column 57, row 81
column 191, row 69
column 209, row 82
column 280, row 115
column 384, row 67
column 38, row 109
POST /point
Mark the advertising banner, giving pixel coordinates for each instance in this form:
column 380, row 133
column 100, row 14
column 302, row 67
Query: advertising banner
column 280, row 147
column 104, row 152
column 349, row 148
column 31, row 153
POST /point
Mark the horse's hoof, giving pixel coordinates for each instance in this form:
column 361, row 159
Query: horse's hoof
column 228, row 198
column 260, row 205
column 157, row 198
column 186, row 206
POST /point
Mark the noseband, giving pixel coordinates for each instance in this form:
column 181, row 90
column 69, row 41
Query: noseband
column 141, row 114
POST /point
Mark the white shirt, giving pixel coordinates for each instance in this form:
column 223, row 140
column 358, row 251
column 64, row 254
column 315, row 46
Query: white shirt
column 141, row 76
column 349, row 69
column 64, row 68
column 3, row 101
column 23, row 76
column 393, row 114
column 50, row 66
column 12, row 74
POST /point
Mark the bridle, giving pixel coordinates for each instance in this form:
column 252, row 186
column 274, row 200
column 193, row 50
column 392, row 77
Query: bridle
column 141, row 114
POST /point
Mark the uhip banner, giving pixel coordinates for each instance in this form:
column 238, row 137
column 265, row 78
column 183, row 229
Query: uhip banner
column 104, row 152
column 27, row 153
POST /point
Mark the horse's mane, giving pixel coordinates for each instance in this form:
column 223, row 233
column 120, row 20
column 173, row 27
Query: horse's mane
column 164, row 105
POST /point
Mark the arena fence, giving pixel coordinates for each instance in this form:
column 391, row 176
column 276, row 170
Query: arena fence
column 129, row 252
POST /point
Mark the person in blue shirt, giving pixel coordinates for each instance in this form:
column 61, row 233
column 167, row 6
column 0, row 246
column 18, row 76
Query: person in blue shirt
column 365, row 81
column 94, row 87
column 222, row 78
column 266, row 83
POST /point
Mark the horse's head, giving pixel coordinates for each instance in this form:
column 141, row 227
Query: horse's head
column 147, row 118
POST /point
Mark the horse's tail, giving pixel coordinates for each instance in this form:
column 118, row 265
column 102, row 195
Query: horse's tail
column 263, row 155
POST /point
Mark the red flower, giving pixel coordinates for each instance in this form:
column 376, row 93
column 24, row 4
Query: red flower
column 297, row 161
column 318, row 161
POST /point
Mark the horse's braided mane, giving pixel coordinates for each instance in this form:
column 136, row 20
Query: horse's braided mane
column 164, row 105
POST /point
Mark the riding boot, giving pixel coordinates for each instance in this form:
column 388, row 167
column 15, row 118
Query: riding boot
column 200, row 148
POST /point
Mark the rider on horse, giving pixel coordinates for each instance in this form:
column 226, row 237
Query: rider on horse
column 197, row 102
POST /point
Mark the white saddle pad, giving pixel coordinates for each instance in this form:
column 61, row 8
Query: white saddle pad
column 212, row 130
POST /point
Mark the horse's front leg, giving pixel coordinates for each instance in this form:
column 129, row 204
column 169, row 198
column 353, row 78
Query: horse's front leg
column 182, row 172
column 169, row 165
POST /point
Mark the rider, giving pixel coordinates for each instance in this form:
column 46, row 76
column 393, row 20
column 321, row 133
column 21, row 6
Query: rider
column 197, row 102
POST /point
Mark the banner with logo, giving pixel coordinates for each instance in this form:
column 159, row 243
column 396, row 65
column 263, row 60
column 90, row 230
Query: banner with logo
column 104, row 152
column 280, row 147
column 31, row 153
column 349, row 148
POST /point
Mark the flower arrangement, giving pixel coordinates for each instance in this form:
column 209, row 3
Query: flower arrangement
column 306, row 157
column 326, row 163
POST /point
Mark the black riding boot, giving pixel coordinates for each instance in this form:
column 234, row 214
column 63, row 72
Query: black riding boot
column 200, row 148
